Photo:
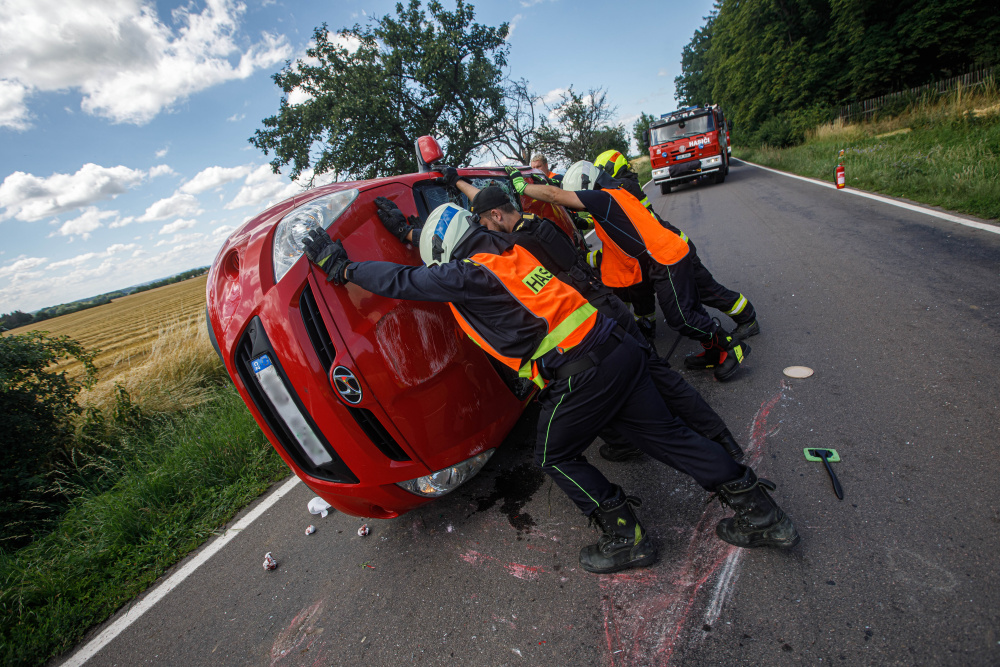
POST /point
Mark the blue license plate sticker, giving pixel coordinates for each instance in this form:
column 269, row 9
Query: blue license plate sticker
column 260, row 363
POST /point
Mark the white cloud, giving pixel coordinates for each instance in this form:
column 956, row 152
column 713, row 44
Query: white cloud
column 161, row 170
column 213, row 177
column 162, row 153
column 554, row 95
column 236, row 117
column 663, row 72
column 529, row 3
column 128, row 65
column 178, row 225
column 28, row 197
column 513, row 24
column 120, row 247
column 86, row 223
column 73, row 261
column 20, row 264
column 176, row 205
column 13, row 111
column 180, row 238
column 260, row 185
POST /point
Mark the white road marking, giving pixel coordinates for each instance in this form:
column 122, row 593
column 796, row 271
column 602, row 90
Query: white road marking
column 885, row 200
column 100, row 641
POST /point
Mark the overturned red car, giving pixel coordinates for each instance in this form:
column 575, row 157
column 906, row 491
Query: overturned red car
column 378, row 405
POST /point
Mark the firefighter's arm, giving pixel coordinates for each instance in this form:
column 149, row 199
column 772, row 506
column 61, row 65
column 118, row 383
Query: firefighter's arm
column 546, row 193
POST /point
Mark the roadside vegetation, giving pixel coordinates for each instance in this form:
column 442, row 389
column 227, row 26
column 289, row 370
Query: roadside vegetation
column 126, row 474
column 943, row 152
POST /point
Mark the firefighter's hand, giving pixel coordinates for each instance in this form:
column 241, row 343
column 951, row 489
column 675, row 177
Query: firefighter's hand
column 541, row 180
column 393, row 218
column 516, row 179
column 327, row 254
column 448, row 177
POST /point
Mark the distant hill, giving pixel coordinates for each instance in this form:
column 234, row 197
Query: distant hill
column 20, row 319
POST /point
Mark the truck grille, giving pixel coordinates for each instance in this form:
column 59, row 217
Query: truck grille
column 251, row 345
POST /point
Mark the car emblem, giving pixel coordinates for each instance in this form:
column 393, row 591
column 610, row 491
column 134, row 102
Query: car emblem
column 347, row 385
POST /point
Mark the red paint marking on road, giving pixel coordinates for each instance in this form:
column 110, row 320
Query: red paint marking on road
column 289, row 644
column 657, row 603
column 524, row 571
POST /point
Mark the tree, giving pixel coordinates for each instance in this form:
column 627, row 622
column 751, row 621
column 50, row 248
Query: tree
column 515, row 138
column 36, row 412
column 373, row 90
column 581, row 130
column 641, row 131
column 15, row 319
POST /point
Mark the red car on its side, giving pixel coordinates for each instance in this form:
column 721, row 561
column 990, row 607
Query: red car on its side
column 378, row 405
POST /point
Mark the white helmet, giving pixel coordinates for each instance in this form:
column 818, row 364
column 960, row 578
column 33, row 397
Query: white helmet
column 584, row 175
column 447, row 226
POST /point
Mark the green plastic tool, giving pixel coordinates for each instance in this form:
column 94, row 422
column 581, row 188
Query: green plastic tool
column 833, row 457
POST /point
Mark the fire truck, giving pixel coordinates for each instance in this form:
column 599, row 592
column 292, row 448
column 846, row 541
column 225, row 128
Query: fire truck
column 688, row 144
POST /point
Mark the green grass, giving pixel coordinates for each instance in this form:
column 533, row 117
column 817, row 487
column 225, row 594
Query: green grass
column 642, row 167
column 176, row 481
column 947, row 155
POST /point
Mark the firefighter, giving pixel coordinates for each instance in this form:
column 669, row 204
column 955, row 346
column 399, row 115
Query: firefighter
column 557, row 253
column 541, row 163
column 634, row 245
column 712, row 293
column 592, row 374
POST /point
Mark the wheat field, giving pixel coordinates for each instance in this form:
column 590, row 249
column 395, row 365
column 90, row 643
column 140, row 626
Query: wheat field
column 126, row 329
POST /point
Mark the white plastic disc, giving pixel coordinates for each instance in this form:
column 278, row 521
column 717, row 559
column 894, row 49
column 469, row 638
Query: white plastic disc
column 798, row 371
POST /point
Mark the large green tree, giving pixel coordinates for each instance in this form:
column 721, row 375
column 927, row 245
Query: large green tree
column 582, row 128
column 372, row 90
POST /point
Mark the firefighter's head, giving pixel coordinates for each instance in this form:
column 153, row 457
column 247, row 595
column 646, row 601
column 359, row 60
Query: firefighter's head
column 495, row 209
column 541, row 163
column 584, row 175
column 614, row 165
column 447, row 227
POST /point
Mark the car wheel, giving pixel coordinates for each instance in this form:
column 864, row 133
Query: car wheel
column 664, row 188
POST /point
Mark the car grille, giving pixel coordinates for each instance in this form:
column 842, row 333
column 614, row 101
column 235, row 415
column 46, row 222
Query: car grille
column 386, row 444
column 251, row 345
column 318, row 335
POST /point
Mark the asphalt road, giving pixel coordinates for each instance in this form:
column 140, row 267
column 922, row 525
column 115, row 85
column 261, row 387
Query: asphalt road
column 897, row 312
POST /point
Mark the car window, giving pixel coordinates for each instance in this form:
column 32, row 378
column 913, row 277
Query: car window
column 429, row 195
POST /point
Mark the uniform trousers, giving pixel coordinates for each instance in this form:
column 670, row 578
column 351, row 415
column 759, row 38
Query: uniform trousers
column 620, row 393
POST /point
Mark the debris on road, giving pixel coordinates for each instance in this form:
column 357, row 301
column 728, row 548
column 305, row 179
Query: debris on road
column 364, row 530
column 367, row 564
column 798, row 372
column 310, row 530
column 269, row 562
column 319, row 506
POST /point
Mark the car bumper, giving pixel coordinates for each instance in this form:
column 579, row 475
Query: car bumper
column 708, row 165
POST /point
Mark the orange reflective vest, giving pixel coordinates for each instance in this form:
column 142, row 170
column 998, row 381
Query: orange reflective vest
column 568, row 315
column 618, row 268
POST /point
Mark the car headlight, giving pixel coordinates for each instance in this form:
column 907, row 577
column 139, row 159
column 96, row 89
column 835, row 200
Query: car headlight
column 445, row 481
column 320, row 212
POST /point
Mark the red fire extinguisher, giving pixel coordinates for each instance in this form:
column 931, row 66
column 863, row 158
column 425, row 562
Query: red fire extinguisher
column 841, row 174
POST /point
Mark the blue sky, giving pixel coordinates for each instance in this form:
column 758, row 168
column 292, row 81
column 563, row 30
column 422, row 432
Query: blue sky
column 124, row 124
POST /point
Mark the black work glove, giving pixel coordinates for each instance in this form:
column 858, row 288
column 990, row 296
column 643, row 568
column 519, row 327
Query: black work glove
column 328, row 254
column 449, row 175
column 541, row 180
column 516, row 179
column 393, row 219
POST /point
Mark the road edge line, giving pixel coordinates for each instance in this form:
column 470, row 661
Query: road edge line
column 885, row 200
column 91, row 648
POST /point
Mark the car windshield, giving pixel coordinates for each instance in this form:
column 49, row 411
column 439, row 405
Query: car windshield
column 688, row 127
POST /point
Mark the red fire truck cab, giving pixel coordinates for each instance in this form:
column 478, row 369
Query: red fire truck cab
column 687, row 144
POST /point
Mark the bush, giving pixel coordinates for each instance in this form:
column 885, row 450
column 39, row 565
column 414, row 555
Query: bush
column 36, row 423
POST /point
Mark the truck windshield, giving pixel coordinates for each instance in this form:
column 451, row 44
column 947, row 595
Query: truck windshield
column 687, row 127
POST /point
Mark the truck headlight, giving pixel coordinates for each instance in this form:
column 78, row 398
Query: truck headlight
column 708, row 162
column 445, row 481
column 320, row 212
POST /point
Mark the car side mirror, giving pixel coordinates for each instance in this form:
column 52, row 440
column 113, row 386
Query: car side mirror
column 428, row 152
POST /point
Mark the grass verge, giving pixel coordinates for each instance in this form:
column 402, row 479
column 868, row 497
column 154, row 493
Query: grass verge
column 946, row 154
column 178, row 479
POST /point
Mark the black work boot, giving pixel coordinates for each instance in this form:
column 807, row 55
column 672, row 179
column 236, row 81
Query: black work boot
column 624, row 542
column 729, row 443
column 731, row 355
column 746, row 329
column 759, row 522
column 707, row 359
column 613, row 451
column 647, row 326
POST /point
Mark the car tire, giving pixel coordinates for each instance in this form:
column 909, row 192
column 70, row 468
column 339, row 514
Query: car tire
column 665, row 188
